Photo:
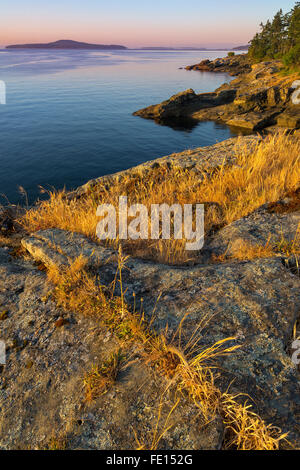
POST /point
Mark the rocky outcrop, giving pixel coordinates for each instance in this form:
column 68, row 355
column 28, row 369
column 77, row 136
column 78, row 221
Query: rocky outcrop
column 253, row 120
column 49, row 350
column 185, row 103
column 290, row 118
column 48, row 354
column 197, row 160
column 257, row 99
column 255, row 301
column 235, row 65
column 268, row 223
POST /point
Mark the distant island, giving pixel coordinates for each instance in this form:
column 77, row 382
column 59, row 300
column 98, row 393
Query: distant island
column 67, row 44
column 156, row 48
column 163, row 48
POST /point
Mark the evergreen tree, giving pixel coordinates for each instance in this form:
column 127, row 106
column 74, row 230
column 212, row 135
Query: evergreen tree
column 279, row 39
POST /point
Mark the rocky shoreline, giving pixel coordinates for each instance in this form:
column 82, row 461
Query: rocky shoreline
column 258, row 99
column 49, row 349
column 234, row 66
column 253, row 301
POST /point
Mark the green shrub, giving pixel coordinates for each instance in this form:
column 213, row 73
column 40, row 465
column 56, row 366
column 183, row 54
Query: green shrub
column 293, row 56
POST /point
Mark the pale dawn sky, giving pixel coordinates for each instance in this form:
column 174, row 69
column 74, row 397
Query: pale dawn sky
column 136, row 23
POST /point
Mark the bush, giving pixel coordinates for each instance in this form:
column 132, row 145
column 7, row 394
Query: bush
column 293, row 56
column 231, row 54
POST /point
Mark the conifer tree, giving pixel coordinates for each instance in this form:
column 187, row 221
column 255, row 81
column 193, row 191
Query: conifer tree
column 279, row 38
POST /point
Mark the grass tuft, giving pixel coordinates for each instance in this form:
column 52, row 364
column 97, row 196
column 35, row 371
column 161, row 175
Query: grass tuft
column 102, row 377
column 263, row 173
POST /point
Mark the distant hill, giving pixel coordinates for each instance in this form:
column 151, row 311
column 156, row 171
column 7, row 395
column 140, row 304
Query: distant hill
column 241, row 48
column 155, row 48
column 66, row 44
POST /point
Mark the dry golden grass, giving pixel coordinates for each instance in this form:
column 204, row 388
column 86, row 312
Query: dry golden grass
column 189, row 369
column 5, row 241
column 246, row 430
column 103, row 376
column 265, row 172
column 248, row 251
column 288, row 247
column 57, row 442
column 245, row 250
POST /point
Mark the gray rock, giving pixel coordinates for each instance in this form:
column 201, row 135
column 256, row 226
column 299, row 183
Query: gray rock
column 253, row 120
column 256, row 301
column 258, row 228
column 290, row 118
column 185, row 103
column 239, row 64
column 41, row 385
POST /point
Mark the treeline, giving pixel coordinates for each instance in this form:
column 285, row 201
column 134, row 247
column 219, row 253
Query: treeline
column 279, row 39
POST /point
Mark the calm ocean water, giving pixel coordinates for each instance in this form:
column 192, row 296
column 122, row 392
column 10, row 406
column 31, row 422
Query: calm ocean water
column 68, row 116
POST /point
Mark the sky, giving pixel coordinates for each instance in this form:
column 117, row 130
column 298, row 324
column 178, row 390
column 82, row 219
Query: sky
column 136, row 23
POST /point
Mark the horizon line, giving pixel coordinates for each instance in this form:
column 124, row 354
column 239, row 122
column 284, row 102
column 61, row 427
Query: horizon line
column 203, row 46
